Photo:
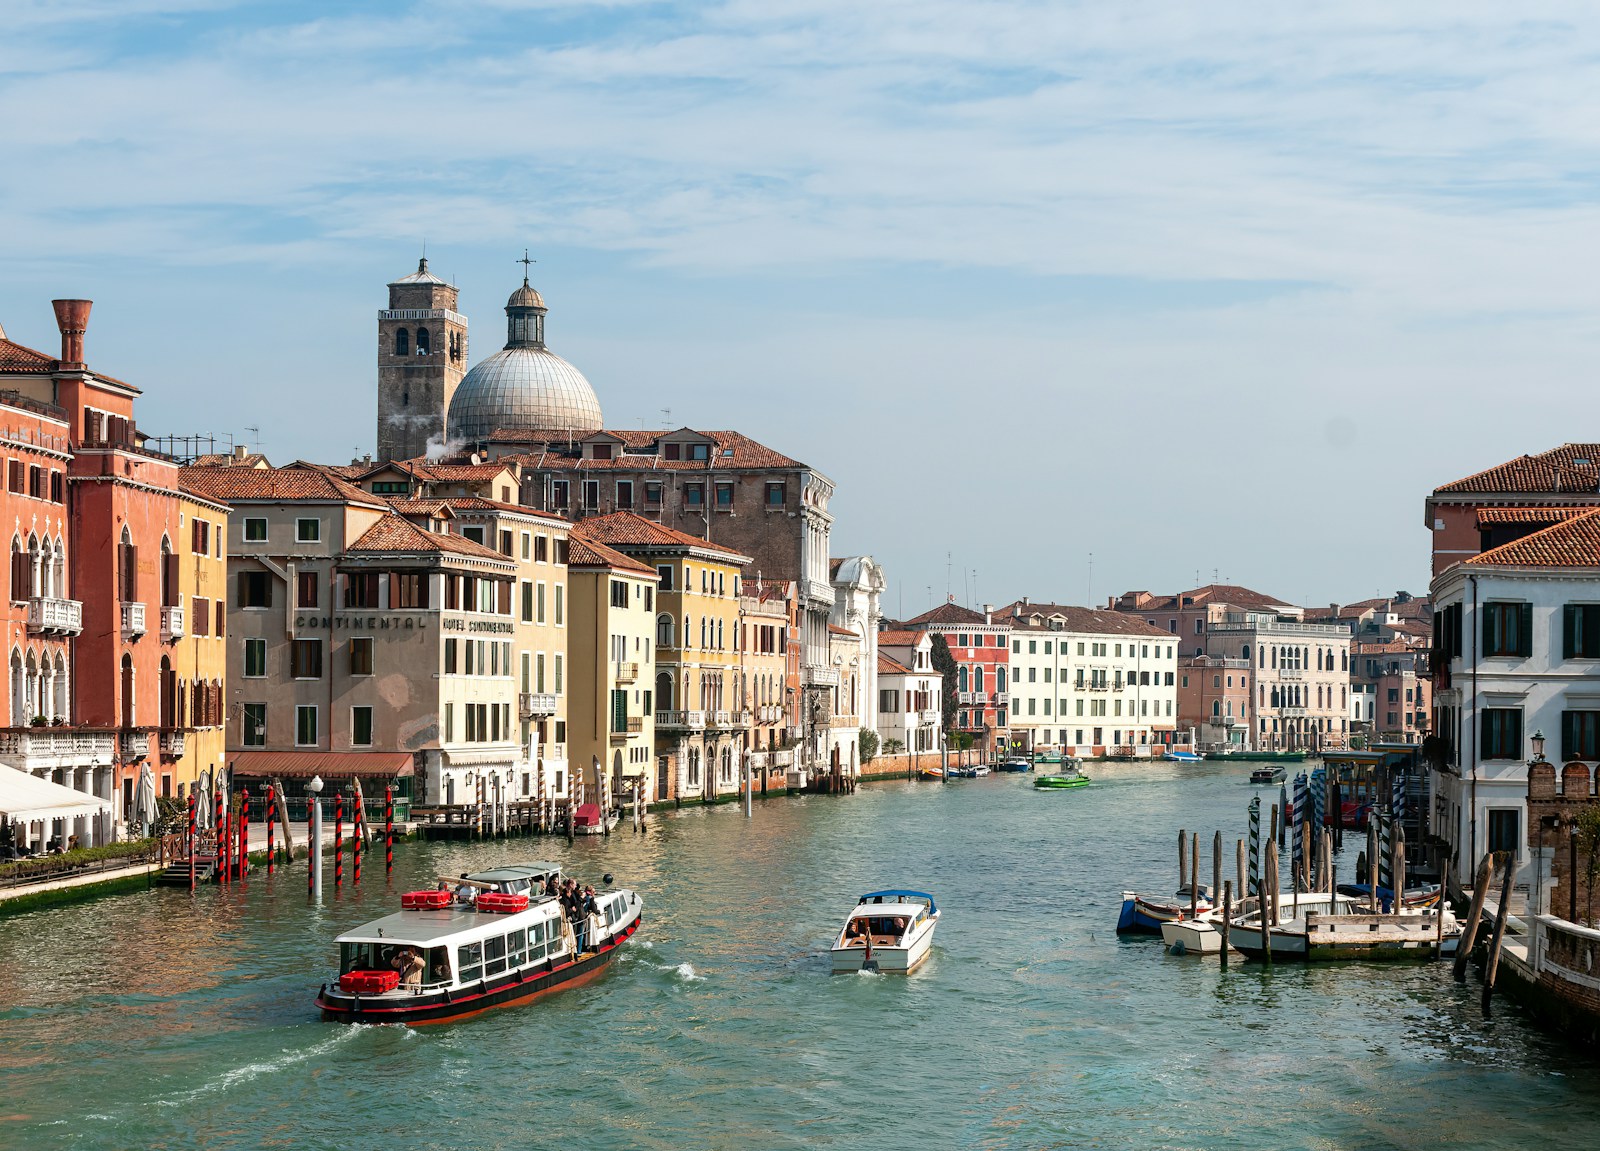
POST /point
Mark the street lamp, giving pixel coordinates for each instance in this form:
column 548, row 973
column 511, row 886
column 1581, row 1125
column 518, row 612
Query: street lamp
column 1538, row 746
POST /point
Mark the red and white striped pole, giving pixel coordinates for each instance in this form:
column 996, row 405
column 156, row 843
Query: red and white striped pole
column 272, row 815
column 388, row 831
column 359, row 826
column 312, row 845
column 244, row 834
column 338, row 840
column 216, row 832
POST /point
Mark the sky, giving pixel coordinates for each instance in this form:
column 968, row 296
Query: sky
column 1067, row 299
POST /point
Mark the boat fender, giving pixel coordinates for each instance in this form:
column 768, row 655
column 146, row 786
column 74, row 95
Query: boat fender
column 1178, row 948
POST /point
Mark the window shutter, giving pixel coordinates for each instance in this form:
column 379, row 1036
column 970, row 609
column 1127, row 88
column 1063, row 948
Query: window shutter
column 1525, row 632
column 239, row 593
column 1569, row 628
column 1569, row 733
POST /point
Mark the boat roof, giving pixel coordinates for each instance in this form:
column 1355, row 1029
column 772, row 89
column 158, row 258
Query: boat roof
column 894, row 896
column 424, row 928
column 515, row 871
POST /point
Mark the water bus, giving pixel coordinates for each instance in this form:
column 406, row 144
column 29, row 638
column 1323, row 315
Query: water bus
column 496, row 940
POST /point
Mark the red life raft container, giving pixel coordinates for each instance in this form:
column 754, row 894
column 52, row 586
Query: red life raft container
column 369, row 982
column 502, row 903
column 417, row 900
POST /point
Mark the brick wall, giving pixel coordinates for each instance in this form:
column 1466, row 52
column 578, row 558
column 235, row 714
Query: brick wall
column 1558, row 794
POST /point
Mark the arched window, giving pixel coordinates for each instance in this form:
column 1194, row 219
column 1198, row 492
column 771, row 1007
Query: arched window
column 664, row 630
column 19, row 692
column 961, row 678
column 59, row 707
column 1216, row 707
column 977, row 678
column 1245, row 653
column 19, row 569
column 999, row 679
column 664, row 691
column 402, row 342
column 422, row 341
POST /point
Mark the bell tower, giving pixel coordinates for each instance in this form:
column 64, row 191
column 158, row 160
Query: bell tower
column 422, row 355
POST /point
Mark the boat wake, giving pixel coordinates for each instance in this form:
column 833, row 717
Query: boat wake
column 282, row 1062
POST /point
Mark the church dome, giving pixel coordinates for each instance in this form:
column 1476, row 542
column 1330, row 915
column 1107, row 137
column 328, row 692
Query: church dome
column 524, row 387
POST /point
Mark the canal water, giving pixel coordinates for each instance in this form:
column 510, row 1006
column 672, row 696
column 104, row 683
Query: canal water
column 157, row 1021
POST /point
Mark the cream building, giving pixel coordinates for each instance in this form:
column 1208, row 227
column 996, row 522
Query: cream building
column 612, row 669
column 910, row 693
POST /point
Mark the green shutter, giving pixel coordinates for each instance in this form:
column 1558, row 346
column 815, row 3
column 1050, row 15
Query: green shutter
column 1569, row 731
column 1525, row 630
column 1569, row 630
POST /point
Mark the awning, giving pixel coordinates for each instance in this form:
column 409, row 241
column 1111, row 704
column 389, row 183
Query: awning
column 25, row 798
column 332, row 764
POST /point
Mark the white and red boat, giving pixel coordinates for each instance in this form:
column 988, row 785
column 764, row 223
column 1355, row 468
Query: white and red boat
column 440, row 958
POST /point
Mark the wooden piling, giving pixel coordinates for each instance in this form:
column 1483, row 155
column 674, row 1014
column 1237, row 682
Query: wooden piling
column 1216, row 864
column 272, row 814
column 1372, row 863
column 1266, row 926
column 1227, row 914
column 1238, row 846
column 1492, row 963
column 1194, row 870
column 1183, row 859
column 1480, row 888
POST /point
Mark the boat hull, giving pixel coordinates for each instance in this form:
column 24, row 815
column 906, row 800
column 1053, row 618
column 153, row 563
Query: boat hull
column 1141, row 916
column 447, row 1006
column 889, row 960
column 1191, row 937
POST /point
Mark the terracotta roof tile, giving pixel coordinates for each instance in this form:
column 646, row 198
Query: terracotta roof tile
column 583, row 552
column 18, row 360
column 834, row 629
column 900, row 638
column 625, row 529
column 1545, row 516
column 479, row 504
column 1081, row 620
column 294, row 482
column 888, row 665
column 395, row 533
column 1572, row 543
column 1570, row 468
column 949, row 614
column 640, row 449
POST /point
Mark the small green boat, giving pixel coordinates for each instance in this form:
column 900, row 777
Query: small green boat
column 1069, row 777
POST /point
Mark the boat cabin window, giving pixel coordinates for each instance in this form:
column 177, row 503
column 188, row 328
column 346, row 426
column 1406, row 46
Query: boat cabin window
column 517, row 948
column 494, row 955
column 362, row 957
column 438, row 965
column 469, row 962
column 536, row 942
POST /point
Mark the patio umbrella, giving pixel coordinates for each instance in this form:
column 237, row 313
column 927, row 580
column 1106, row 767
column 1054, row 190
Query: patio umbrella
column 202, row 801
column 144, row 800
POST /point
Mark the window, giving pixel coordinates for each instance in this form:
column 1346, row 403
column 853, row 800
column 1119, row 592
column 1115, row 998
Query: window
column 255, row 658
column 361, row 726
column 255, row 589
column 307, row 531
column 402, row 342
column 1580, row 631
column 410, row 589
column 473, row 534
column 1504, row 831
column 1580, row 735
column 561, row 591
column 1507, row 629
column 305, row 725
column 619, row 593
column 694, row 495
column 200, row 616
column 390, row 488
column 652, row 495
column 305, row 584
column 1502, row 733
column 361, row 655
column 624, row 495
column 306, row 659
column 539, row 603
column 200, row 537
column 558, row 493
column 255, row 725
column 469, row 962
column 591, row 495
column 724, row 495
column 361, row 589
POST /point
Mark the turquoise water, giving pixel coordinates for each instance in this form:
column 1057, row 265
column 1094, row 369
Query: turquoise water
column 157, row 1021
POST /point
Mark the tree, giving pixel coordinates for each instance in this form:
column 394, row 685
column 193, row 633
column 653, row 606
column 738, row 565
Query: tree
column 893, row 746
column 868, row 742
column 944, row 663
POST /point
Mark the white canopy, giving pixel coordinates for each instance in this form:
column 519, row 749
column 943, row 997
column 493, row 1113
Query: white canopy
column 25, row 798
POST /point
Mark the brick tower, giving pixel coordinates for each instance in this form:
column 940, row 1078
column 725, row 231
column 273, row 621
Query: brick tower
column 422, row 355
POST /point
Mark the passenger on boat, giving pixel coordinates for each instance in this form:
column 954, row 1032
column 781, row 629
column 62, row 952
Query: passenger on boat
column 466, row 894
column 899, row 928
column 411, row 967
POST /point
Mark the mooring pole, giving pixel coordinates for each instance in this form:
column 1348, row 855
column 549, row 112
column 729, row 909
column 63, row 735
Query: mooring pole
column 338, row 840
column 1227, row 914
column 388, row 831
column 272, row 817
column 244, row 833
column 191, row 840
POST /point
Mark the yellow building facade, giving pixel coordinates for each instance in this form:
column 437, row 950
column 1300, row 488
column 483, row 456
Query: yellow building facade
column 193, row 734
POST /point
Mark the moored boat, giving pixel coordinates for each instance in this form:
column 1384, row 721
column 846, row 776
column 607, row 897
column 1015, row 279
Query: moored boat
column 437, row 960
column 1202, row 934
column 588, row 820
column 1144, row 914
column 1183, row 757
column 1267, row 775
column 1348, row 933
column 1014, row 765
column 888, row 931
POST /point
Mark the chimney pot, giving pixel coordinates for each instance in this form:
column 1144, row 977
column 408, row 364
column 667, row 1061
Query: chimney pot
column 72, row 317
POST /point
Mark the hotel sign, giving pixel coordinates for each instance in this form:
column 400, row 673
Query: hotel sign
column 481, row 626
column 362, row 622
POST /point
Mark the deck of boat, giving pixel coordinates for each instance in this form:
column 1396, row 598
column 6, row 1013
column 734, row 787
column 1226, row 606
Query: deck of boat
column 1361, row 930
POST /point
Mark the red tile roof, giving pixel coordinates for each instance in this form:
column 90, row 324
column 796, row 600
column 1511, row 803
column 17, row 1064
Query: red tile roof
column 834, row 629
column 1083, row 620
column 479, row 504
column 888, row 665
column 625, row 529
column 1572, row 543
column 641, row 449
column 18, row 360
column 900, row 638
column 409, row 507
column 583, row 552
column 948, row 614
column 229, row 460
column 1570, row 468
column 294, row 482
column 394, row 533
column 1544, row 516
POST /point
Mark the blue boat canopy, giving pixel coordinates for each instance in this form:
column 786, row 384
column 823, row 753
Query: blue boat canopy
column 880, row 896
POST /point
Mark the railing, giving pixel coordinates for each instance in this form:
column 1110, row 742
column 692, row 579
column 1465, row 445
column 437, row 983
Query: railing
column 759, row 760
column 299, row 808
column 929, row 718
column 627, row 672
column 533, row 704
column 721, row 718
column 1292, row 712
column 55, row 615
column 783, row 759
column 58, row 745
column 422, row 314
column 172, row 743
column 135, row 743
column 48, row 868
column 815, row 675
column 171, row 623
column 694, row 720
column 1291, row 673
column 132, row 620
column 1000, row 698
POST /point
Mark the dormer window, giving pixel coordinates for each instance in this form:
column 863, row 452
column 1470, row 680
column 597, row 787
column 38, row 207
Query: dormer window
column 699, row 451
column 602, row 452
column 672, row 451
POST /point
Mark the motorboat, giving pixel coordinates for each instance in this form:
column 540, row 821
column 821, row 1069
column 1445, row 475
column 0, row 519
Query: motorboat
column 887, row 931
column 1014, row 765
column 588, row 820
column 1144, row 914
column 1070, row 775
column 978, row 771
column 494, row 941
column 932, row 773
column 1202, row 933
column 1263, row 775
column 1183, row 757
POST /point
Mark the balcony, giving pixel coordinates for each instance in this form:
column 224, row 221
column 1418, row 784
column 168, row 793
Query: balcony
column 783, row 759
column 1000, row 698
column 132, row 620
column 171, row 624
column 135, row 744
column 760, row 760
column 720, row 718
column 815, row 675
column 1291, row 673
column 54, row 616
column 627, row 672
column 929, row 718
column 535, row 705
column 47, row 748
column 172, row 743
column 1292, row 712
column 681, row 720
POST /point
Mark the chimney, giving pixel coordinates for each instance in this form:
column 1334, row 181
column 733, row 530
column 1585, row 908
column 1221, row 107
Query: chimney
column 240, row 451
column 72, row 317
column 988, row 613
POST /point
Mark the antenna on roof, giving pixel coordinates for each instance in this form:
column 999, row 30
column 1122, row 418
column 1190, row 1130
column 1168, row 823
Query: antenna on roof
column 255, row 436
column 666, row 414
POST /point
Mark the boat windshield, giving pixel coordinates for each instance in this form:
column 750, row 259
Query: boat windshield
column 389, row 957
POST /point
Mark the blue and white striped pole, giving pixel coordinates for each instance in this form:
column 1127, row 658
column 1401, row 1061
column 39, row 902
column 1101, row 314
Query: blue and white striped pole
column 1397, row 796
column 1319, row 790
column 1300, row 797
column 1385, row 834
column 1255, row 845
